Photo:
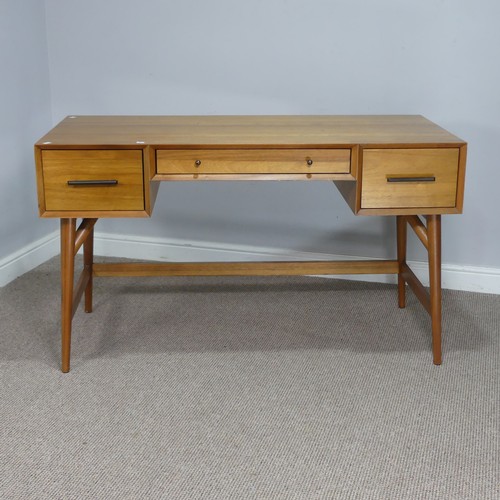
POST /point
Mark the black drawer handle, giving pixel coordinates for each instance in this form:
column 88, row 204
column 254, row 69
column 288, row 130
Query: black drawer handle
column 428, row 178
column 104, row 182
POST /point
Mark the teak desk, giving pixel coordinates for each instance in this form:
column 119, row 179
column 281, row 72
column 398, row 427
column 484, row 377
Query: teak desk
column 110, row 166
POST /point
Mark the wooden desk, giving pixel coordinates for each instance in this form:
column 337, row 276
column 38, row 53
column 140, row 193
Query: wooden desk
column 110, row 166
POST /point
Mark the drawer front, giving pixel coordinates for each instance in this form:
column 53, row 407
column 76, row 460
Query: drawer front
column 248, row 161
column 407, row 178
column 93, row 180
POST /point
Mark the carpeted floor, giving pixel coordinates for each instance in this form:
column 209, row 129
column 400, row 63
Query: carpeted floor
column 247, row 388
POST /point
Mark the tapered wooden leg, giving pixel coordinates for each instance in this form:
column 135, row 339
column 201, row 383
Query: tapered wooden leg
column 88, row 261
column 434, row 235
column 401, row 242
column 68, row 229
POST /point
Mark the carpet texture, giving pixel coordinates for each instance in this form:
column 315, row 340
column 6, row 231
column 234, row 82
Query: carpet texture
column 247, row 388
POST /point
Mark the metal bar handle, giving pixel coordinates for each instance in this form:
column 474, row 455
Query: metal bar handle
column 429, row 178
column 93, row 182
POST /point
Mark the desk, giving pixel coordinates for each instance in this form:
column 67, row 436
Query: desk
column 91, row 167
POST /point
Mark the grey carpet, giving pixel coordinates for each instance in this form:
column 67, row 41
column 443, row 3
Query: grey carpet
column 236, row 388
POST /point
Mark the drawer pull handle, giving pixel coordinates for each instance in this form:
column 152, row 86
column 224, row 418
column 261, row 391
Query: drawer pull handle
column 197, row 163
column 309, row 162
column 429, row 178
column 104, row 182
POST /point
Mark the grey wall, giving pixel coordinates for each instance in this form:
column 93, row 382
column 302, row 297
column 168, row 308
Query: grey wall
column 24, row 117
column 432, row 57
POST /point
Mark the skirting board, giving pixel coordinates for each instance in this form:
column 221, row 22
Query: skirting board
column 28, row 257
column 468, row 278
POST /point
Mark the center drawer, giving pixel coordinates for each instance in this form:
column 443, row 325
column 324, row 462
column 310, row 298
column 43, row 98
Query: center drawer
column 253, row 161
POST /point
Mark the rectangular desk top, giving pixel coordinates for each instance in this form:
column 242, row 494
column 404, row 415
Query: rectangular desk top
column 246, row 131
column 109, row 166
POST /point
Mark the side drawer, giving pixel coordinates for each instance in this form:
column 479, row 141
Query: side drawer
column 409, row 178
column 253, row 161
column 75, row 180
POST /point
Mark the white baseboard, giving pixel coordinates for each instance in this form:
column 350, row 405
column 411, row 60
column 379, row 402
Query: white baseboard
column 28, row 257
column 468, row 278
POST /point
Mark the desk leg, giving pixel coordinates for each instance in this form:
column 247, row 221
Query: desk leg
column 401, row 244
column 88, row 262
column 68, row 230
column 434, row 234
